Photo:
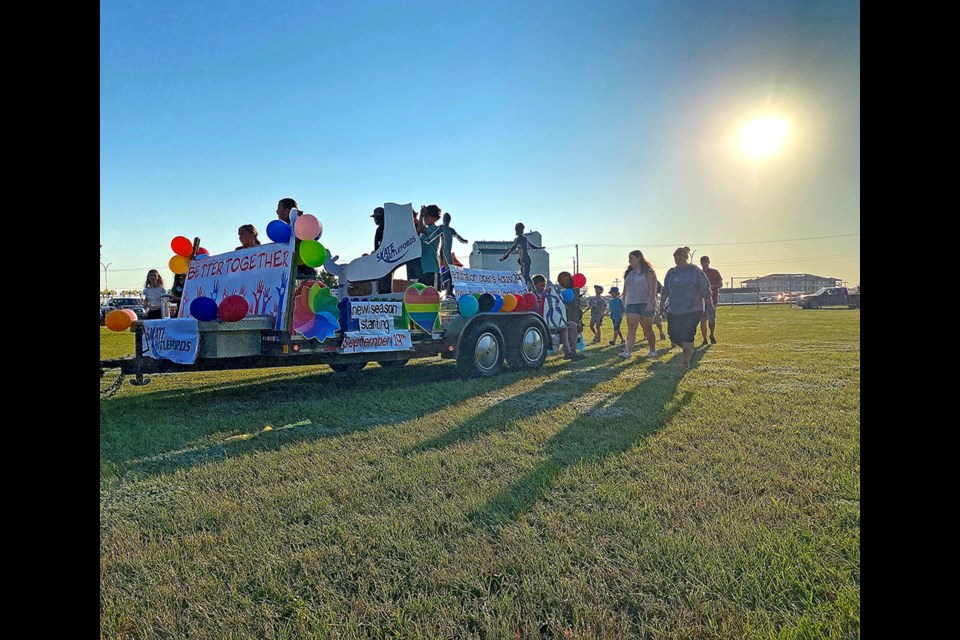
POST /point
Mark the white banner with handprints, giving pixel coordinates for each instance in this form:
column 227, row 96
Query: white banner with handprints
column 173, row 339
column 259, row 274
column 486, row 281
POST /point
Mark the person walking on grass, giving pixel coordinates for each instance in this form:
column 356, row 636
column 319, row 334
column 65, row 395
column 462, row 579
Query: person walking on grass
column 686, row 294
column 710, row 317
column 640, row 301
column 598, row 309
column 616, row 314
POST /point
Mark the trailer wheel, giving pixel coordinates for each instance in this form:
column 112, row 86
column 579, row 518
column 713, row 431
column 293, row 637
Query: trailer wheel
column 526, row 346
column 347, row 367
column 481, row 351
column 393, row 364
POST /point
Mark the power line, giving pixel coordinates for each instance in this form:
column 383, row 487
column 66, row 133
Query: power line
column 704, row 244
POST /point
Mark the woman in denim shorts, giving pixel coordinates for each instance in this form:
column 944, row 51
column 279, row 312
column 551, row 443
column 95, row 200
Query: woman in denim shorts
column 640, row 302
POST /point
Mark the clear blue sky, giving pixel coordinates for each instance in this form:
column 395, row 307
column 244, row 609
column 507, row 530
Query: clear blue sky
column 600, row 123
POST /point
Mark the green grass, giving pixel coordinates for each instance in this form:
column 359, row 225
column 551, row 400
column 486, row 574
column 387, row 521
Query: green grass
column 602, row 499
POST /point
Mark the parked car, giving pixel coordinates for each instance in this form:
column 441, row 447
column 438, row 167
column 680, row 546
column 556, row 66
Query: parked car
column 831, row 297
column 135, row 304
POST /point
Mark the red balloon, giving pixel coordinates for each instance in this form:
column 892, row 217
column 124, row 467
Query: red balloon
column 579, row 281
column 521, row 302
column 233, row 308
column 181, row 246
column 529, row 302
column 202, row 252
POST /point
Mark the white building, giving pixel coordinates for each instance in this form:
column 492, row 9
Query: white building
column 486, row 254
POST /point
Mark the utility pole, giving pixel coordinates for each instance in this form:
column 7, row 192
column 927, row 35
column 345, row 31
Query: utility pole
column 616, row 282
column 576, row 264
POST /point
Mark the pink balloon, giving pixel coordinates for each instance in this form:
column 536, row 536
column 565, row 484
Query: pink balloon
column 307, row 227
column 233, row 308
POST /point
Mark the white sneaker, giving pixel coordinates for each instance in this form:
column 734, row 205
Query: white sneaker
column 653, row 353
column 624, row 355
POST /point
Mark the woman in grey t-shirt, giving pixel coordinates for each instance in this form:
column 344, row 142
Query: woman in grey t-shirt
column 686, row 293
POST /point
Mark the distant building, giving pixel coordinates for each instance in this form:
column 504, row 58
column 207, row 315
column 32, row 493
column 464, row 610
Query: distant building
column 790, row 283
column 486, row 254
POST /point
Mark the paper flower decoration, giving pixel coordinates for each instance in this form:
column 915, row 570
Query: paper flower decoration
column 315, row 312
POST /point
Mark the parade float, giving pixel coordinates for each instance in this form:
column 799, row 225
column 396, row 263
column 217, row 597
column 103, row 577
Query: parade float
column 249, row 309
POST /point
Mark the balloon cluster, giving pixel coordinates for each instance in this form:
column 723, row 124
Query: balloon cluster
column 120, row 319
column 568, row 283
column 308, row 230
column 183, row 250
column 231, row 309
column 471, row 304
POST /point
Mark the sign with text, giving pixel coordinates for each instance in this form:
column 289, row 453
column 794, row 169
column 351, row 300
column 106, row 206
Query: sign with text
column 485, row 281
column 260, row 274
column 376, row 331
column 175, row 339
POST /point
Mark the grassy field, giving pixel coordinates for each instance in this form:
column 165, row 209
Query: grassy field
column 598, row 499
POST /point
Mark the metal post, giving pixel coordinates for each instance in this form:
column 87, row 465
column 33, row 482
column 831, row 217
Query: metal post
column 106, row 284
column 576, row 265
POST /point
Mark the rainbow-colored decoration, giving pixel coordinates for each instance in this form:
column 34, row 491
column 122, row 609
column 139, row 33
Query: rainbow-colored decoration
column 315, row 312
column 423, row 307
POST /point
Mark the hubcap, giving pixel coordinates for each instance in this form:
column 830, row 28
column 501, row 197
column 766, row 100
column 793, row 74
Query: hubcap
column 532, row 345
column 487, row 352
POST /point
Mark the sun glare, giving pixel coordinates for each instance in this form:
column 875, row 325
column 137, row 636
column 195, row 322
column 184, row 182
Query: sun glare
column 763, row 137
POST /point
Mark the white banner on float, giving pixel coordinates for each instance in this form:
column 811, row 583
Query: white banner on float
column 377, row 332
column 174, row 339
column 377, row 308
column 259, row 274
column 486, row 281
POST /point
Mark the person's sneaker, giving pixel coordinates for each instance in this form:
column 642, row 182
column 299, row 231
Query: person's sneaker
column 653, row 353
column 612, row 342
column 624, row 355
column 713, row 340
column 704, row 343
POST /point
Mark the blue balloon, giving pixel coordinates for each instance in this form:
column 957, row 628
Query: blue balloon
column 567, row 295
column 278, row 231
column 497, row 302
column 468, row 305
column 203, row 309
column 202, row 256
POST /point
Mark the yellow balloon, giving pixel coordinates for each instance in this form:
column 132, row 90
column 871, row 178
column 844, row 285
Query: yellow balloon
column 179, row 264
column 509, row 303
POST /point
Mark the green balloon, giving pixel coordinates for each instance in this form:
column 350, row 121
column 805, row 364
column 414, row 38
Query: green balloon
column 312, row 253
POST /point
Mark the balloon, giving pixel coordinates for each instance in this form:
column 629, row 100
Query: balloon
column 477, row 295
column 278, row 231
column 485, row 302
column 509, row 303
column 530, row 302
column 202, row 252
column 202, row 256
column 307, row 227
column 567, row 295
column 312, row 253
column 203, row 309
column 179, row 264
column 468, row 305
column 521, row 303
column 130, row 314
column 117, row 320
column 497, row 302
column 233, row 308
column 565, row 280
column 181, row 246
column 579, row 281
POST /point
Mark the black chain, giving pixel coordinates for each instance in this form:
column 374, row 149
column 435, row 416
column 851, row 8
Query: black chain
column 114, row 386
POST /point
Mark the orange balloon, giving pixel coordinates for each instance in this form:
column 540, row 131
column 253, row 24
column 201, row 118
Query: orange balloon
column 131, row 314
column 179, row 264
column 117, row 320
column 181, row 246
column 509, row 303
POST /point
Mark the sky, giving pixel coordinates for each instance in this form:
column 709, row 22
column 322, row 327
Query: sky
column 609, row 125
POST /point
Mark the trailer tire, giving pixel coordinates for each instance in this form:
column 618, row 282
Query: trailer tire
column 526, row 346
column 347, row 367
column 480, row 353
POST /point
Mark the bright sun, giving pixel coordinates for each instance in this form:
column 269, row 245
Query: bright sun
column 763, row 136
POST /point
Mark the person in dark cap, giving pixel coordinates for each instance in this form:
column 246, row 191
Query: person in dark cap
column 384, row 284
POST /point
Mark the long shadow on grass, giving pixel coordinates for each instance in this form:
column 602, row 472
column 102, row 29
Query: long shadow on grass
column 598, row 433
column 155, row 433
column 570, row 383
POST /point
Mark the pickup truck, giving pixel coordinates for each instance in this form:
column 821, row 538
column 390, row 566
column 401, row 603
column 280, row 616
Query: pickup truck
column 135, row 304
column 831, row 297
